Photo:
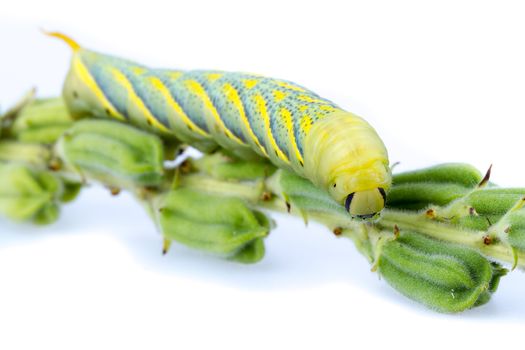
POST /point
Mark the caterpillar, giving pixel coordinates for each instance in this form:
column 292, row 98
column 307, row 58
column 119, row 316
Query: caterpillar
column 245, row 114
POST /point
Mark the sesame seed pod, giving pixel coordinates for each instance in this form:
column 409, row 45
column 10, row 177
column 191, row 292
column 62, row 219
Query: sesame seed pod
column 436, row 185
column 113, row 153
column 457, row 173
column 300, row 192
column 220, row 167
column 416, row 196
column 217, row 224
column 41, row 121
column 516, row 229
column 444, row 276
column 490, row 205
column 31, row 154
column 71, row 190
column 494, row 201
column 28, row 194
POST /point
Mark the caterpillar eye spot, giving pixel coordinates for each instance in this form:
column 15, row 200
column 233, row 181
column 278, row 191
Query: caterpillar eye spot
column 383, row 193
column 335, row 185
column 348, row 201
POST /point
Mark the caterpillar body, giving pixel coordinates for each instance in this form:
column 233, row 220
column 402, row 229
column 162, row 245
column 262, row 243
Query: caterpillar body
column 246, row 114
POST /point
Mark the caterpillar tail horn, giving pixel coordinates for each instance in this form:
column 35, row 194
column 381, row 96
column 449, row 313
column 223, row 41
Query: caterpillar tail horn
column 70, row 42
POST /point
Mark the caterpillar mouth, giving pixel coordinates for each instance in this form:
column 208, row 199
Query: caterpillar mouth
column 365, row 204
column 367, row 216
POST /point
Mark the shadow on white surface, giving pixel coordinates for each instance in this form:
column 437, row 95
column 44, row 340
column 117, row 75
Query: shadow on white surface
column 297, row 258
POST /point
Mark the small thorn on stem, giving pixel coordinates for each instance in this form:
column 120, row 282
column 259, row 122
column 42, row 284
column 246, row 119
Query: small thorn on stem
column 431, row 214
column 487, row 240
column 396, row 231
column 185, row 167
column 166, row 246
column 486, row 178
column 115, row 191
column 54, row 165
column 507, row 229
column 472, row 211
column 337, row 231
column 266, row 196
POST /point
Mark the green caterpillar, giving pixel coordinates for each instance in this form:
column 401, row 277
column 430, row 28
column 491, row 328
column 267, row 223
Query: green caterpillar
column 245, row 114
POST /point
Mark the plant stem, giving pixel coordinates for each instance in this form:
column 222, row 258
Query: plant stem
column 446, row 232
column 365, row 236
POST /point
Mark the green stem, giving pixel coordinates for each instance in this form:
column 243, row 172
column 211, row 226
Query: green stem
column 474, row 239
column 366, row 237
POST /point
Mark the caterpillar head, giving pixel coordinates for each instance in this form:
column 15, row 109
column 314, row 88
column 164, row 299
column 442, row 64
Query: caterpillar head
column 344, row 155
column 362, row 191
column 366, row 204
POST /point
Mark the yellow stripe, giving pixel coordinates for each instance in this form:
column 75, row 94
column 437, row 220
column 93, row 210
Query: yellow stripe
column 164, row 91
column 327, row 108
column 250, row 83
column 213, row 76
column 261, row 105
column 123, row 80
column 138, row 70
column 306, row 124
column 174, row 74
column 198, row 90
column 289, row 86
column 310, row 99
column 287, row 116
column 83, row 74
column 232, row 95
column 279, row 95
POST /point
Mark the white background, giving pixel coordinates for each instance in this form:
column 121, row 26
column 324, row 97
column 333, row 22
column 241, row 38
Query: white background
column 440, row 81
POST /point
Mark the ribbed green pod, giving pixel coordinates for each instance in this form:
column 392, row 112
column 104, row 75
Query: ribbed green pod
column 516, row 229
column 443, row 276
column 28, row 194
column 225, row 168
column 436, row 185
column 42, row 121
column 217, row 224
column 32, row 154
column 494, row 201
column 490, row 204
column 113, row 153
column 457, row 173
column 300, row 192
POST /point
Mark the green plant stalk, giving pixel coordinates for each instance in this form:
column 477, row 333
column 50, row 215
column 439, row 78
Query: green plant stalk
column 364, row 236
column 428, row 244
column 474, row 239
column 384, row 228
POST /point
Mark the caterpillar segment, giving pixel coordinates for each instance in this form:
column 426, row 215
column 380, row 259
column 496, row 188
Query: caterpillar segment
column 245, row 114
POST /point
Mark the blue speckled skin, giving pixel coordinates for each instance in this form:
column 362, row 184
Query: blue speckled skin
column 245, row 114
column 281, row 139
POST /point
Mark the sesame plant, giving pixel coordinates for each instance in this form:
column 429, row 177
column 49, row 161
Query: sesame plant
column 446, row 237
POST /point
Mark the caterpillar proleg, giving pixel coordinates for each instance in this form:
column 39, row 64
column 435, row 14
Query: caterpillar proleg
column 245, row 114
